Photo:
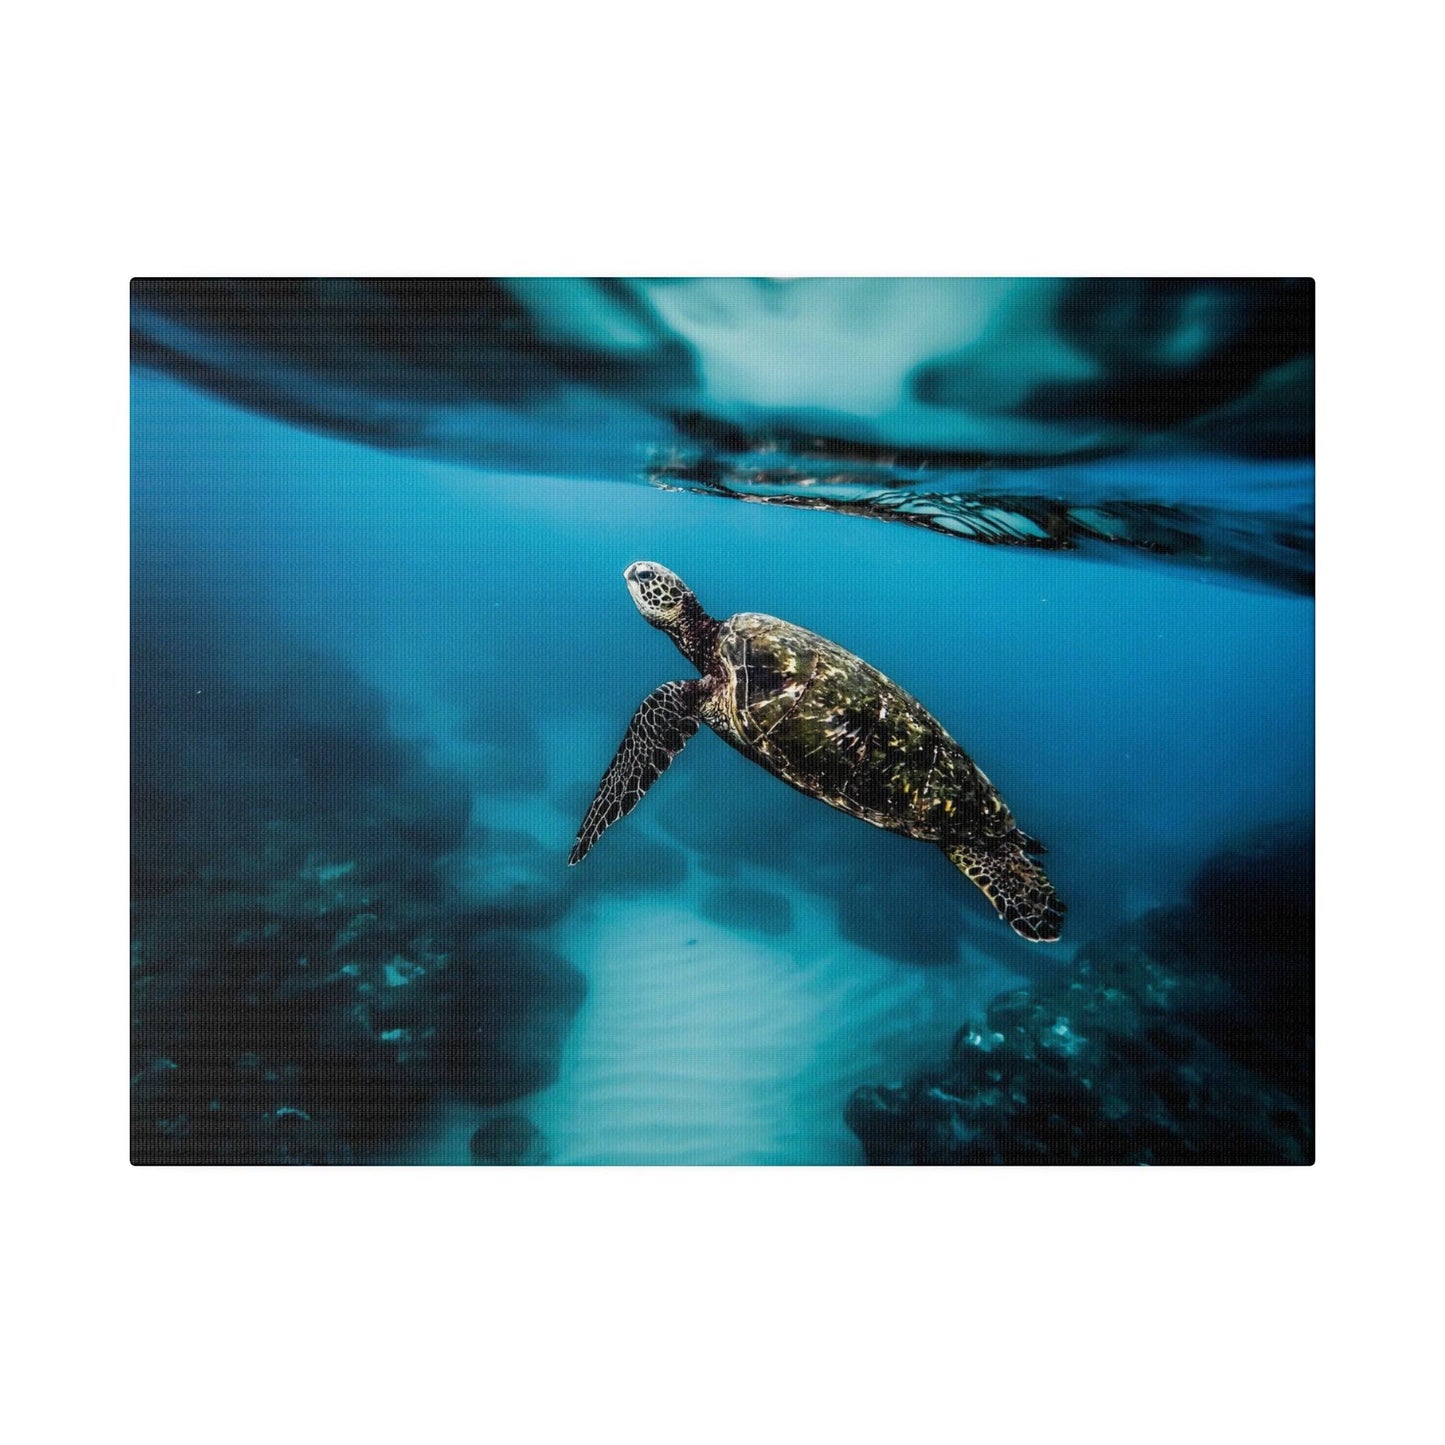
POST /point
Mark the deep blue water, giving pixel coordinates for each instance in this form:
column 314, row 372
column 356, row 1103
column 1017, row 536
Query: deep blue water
column 1135, row 717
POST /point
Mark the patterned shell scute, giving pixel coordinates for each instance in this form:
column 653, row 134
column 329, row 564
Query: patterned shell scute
column 825, row 721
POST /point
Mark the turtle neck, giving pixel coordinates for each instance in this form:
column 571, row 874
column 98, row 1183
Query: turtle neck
column 695, row 633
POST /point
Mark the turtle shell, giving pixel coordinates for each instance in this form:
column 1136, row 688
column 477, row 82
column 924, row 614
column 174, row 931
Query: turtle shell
column 826, row 722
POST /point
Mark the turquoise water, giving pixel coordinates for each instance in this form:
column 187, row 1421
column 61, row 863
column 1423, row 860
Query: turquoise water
column 734, row 960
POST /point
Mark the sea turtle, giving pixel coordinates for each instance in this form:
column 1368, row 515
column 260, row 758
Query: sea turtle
column 833, row 727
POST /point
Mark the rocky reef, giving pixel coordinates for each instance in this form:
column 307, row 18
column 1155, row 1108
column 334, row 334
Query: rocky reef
column 312, row 967
column 508, row 1139
column 1185, row 1037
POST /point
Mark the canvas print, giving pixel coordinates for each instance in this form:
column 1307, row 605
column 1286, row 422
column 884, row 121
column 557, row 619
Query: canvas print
column 721, row 721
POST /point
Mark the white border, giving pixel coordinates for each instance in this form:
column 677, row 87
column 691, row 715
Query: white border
column 294, row 1305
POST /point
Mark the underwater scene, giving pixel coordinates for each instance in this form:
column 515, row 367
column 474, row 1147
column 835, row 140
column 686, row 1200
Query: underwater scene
column 720, row 722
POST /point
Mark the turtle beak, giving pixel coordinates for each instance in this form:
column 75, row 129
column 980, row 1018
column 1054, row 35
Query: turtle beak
column 634, row 585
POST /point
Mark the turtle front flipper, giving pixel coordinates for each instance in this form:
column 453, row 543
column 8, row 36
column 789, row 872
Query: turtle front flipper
column 665, row 720
column 1016, row 886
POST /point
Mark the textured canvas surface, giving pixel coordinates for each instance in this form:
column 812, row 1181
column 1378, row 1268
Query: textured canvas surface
column 383, row 652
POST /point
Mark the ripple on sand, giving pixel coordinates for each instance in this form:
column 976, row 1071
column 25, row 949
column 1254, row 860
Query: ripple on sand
column 697, row 1045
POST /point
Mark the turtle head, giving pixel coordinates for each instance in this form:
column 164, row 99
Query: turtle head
column 661, row 596
column 664, row 599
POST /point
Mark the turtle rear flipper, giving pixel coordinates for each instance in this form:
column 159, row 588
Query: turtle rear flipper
column 1016, row 886
column 666, row 718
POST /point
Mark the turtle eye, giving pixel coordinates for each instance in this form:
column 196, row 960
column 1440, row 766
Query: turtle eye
column 645, row 574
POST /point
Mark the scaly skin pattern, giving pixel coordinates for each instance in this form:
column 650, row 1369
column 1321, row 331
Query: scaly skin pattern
column 666, row 719
column 831, row 726
column 824, row 721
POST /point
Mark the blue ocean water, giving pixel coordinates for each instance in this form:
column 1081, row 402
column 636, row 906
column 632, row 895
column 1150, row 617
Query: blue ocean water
column 449, row 652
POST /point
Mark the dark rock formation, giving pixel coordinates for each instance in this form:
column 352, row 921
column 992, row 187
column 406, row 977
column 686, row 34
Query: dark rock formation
column 883, row 909
column 1250, row 921
column 510, row 758
column 507, row 879
column 506, row 1006
column 1155, row 1048
column 307, row 975
column 508, row 1139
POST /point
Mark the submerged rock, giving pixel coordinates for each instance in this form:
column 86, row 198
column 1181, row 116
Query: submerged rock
column 507, row 748
column 1251, row 918
column 509, row 880
column 509, row 1139
column 1257, row 895
column 507, row 1007
column 430, row 808
column 898, row 913
column 1250, row 922
column 1144, row 1053
column 294, row 925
